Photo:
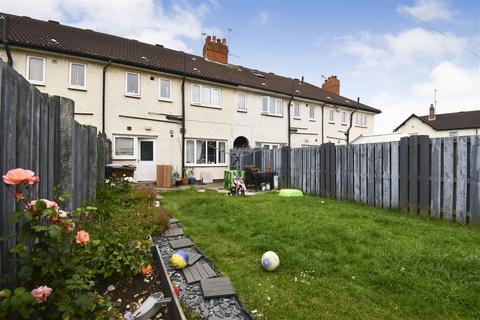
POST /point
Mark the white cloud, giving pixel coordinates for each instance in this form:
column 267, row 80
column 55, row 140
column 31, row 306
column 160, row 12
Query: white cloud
column 429, row 10
column 146, row 20
column 263, row 17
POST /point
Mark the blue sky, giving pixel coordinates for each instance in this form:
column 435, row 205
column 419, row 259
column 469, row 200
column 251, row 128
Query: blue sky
column 387, row 52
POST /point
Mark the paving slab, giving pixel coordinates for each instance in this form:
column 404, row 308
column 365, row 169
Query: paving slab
column 197, row 272
column 181, row 243
column 174, row 232
column 194, row 257
column 217, row 287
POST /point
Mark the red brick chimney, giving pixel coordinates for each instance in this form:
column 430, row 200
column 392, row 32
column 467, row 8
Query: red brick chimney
column 215, row 49
column 431, row 115
column 332, row 84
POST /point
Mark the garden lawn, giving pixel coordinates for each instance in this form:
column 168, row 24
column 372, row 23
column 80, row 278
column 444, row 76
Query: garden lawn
column 338, row 260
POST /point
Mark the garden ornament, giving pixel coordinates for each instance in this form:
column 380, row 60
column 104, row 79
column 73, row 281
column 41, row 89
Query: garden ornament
column 151, row 306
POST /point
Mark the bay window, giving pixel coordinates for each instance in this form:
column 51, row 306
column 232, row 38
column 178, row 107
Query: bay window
column 204, row 152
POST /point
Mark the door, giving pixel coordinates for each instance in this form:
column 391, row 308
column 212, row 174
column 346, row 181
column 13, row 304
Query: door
column 146, row 160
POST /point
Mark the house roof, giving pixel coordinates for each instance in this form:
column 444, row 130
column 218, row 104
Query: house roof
column 55, row 37
column 450, row 121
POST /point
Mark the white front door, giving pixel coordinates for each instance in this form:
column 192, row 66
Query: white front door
column 146, row 160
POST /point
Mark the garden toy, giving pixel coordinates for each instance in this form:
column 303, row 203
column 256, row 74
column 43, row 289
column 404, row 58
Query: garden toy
column 290, row 193
column 178, row 261
column 270, row 261
column 184, row 254
column 238, row 187
column 151, row 306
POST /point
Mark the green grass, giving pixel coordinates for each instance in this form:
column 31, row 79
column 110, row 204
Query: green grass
column 351, row 261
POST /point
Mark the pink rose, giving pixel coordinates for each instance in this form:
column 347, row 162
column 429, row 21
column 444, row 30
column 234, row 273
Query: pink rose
column 50, row 204
column 41, row 293
column 19, row 175
column 82, row 237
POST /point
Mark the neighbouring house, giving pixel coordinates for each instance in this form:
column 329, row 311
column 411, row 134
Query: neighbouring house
column 376, row 138
column 163, row 106
column 464, row 123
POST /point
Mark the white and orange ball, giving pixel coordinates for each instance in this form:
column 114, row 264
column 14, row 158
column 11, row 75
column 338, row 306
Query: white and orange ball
column 270, row 261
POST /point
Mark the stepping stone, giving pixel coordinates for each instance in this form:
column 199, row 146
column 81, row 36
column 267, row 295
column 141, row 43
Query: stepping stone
column 174, row 232
column 181, row 243
column 198, row 271
column 193, row 258
column 217, row 287
column 173, row 220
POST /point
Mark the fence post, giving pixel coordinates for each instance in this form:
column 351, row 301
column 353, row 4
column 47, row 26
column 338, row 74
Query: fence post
column 101, row 159
column 424, row 174
column 64, row 152
column 475, row 181
column 92, row 162
column 403, row 194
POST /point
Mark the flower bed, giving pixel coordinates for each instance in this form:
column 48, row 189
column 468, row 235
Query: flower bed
column 66, row 257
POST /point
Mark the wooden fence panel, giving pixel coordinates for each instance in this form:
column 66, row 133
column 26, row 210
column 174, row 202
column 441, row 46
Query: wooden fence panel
column 394, row 160
column 403, row 194
column 356, row 172
column 386, row 175
column 371, row 174
column 475, row 180
column 333, row 169
column 363, row 173
column 424, row 174
column 447, row 178
column 344, row 172
column 436, row 177
column 378, row 174
column 461, row 185
column 350, row 182
column 338, row 169
column 413, row 174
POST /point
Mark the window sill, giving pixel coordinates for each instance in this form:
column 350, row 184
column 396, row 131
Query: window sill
column 297, row 118
column 242, row 111
column 136, row 96
column 165, row 100
column 77, row 88
column 39, row 84
column 205, row 106
column 206, row 165
column 360, row 126
column 271, row 115
column 331, row 122
column 312, row 120
column 120, row 158
column 343, row 124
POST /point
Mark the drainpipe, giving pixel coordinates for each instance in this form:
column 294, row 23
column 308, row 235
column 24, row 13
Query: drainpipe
column 183, row 114
column 323, row 122
column 5, row 40
column 289, row 107
column 103, row 94
column 351, row 120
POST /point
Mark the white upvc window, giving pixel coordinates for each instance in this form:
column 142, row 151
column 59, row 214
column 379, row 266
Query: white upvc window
column 36, row 70
column 364, row 120
column 241, row 101
column 165, row 89
column 205, row 152
column 361, row 119
column 331, row 115
column 124, row 147
column 311, row 112
column 453, row 133
column 344, row 117
column 206, row 96
column 272, row 106
column 270, row 145
column 78, row 76
column 132, row 84
column 296, row 110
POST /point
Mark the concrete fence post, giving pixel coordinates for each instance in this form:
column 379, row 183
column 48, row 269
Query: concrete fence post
column 65, row 150
column 92, row 162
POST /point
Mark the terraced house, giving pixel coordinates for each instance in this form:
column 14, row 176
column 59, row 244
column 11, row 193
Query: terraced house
column 162, row 106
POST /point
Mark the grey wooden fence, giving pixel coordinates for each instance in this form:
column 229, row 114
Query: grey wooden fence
column 38, row 132
column 438, row 177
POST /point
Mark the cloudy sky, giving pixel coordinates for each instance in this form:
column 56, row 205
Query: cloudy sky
column 393, row 54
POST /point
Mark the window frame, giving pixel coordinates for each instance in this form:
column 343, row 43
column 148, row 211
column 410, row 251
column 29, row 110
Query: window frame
column 74, row 86
column 331, row 116
column 239, row 93
column 160, row 89
column 200, row 103
column 270, row 145
column 217, row 153
column 269, row 106
column 124, row 157
column 310, row 108
column 36, row 82
column 344, row 118
column 130, row 94
column 296, row 107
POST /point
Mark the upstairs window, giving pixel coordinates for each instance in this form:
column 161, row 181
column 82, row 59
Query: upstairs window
column 344, row 117
column 78, row 75
column 165, row 89
column 206, row 96
column 296, row 110
column 241, row 101
column 132, row 84
column 272, row 106
column 312, row 112
column 36, row 70
column 331, row 115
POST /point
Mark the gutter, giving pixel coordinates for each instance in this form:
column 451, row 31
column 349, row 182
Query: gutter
column 103, row 94
column 183, row 114
column 5, row 40
column 347, row 134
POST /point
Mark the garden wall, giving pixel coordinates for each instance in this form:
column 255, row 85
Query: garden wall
column 38, row 132
column 438, row 177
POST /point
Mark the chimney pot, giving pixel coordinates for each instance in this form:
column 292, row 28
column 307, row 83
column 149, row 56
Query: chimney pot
column 332, row 84
column 431, row 114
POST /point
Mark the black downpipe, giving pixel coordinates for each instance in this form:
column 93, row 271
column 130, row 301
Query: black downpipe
column 347, row 134
column 289, row 107
column 183, row 114
column 103, row 94
column 5, row 41
column 323, row 123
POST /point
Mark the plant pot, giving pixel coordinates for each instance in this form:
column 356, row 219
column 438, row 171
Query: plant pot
column 191, row 180
column 184, row 181
column 178, row 182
